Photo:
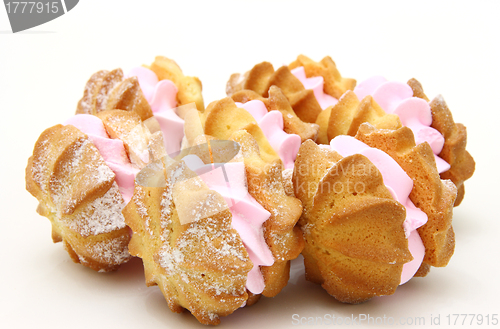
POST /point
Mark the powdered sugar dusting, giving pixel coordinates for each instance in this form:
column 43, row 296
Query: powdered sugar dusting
column 135, row 135
column 167, row 199
column 85, row 168
column 103, row 215
column 207, row 239
column 138, row 197
column 39, row 169
column 281, row 242
column 449, row 185
column 80, row 197
column 112, row 251
column 210, row 241
column 287, row 182
column 85, row 105
column 43, row 161
column 307, row 229
column 109, row 82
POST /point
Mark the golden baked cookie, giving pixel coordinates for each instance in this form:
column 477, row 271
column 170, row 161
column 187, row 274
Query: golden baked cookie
column 303, row 101
column 345, row 117
column 78, row 193
column 223, row 118
column 349, row 113
column 92, row 229
column 265, row 184
column 110, row 90
column 334, row 84
column 461, row 163
column 127, row 126
column 432, row 195
column 355, row 241
column 189, row 88
column 77, row 189
column 262, row 76
column 276, row 101
column 205, row 276
column 201, row 264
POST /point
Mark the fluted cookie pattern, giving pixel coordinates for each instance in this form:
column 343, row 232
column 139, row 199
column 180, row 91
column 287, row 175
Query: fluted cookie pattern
column 355, row 241
column 284, row 239
column 277, row 101
column 109, row 90
column 203, row 265
column 432, row 195
column 454, row 151
column 78, row 193
column 200, row 266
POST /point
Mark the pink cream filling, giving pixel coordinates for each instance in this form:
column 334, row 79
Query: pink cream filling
column 112, row 151
column 316, row 84
column 414, row 112
column 400, row 186
column 162, row 97
column 271, row 123
column 229, row 180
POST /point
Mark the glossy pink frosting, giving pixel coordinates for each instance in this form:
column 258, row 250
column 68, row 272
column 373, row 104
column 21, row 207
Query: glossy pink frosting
column 400, row 186
column 229, row 180
column 271, row 123
column 414, row 112
column 316, row 84
column 162, row 97
column 112, row 151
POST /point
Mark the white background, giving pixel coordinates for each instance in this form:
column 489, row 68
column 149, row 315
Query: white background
column 450, row 47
